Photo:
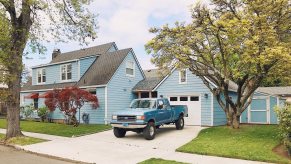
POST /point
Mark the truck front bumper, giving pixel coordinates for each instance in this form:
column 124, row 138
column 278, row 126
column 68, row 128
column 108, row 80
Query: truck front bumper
column 128, row 126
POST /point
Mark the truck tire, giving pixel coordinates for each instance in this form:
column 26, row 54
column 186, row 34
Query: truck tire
column 119, row 132
column 149, row 131
column 180, row 123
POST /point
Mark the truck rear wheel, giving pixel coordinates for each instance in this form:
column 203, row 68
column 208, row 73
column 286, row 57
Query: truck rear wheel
column 119, row 132
column 149, row 131
column 180, row 123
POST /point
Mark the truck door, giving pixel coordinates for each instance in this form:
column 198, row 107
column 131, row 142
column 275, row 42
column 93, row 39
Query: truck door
column 164, row 114
column 169, row 112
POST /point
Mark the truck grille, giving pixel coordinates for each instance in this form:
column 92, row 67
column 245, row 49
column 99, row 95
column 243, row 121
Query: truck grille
column 126, row 118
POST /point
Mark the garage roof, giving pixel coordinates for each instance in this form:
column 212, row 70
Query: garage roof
column 282, row 91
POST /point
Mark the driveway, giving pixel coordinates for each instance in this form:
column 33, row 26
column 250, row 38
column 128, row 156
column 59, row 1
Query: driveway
column 13, row 156
column 105, row 148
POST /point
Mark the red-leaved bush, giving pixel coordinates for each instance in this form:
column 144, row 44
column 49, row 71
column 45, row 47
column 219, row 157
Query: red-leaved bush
column 69, row 100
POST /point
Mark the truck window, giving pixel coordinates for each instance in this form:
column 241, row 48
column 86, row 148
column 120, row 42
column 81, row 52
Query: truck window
column 143, row 104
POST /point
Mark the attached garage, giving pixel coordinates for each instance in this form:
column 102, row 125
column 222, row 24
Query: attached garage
column 194, row 107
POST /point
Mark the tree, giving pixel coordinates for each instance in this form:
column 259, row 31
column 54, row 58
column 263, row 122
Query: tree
column 29, row 23
column 240, row 41
column 69, row 100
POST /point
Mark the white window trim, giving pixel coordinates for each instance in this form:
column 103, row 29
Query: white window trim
column 132, row 68
column 40, row 70
column 186, row 78
column 66, row 72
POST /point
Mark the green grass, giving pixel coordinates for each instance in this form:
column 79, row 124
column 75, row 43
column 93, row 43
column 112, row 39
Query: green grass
column 250, row 142
column 58, row 129
column 160, row 161
column 22, row 140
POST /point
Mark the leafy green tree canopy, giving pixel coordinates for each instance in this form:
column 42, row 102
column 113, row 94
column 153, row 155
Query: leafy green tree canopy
column 29, row 23
column 228, row 40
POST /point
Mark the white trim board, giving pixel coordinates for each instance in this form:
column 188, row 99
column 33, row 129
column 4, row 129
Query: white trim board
column 40, row 90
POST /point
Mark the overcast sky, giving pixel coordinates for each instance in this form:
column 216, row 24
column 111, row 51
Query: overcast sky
column 126, row 22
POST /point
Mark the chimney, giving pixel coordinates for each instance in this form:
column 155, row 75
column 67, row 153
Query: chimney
column 55, row 53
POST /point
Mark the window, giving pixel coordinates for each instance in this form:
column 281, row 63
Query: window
column 182, row 77
column 130, row 68
column 41, row 75
column 173, row 98
column 66, row 72
column 194, row 98
column 183, row 98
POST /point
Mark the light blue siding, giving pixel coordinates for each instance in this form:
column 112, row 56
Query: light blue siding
column 244, row 116
column 113, row 48
column 194, row 85
column 120, row 87
column 96, row 116
column 53, row 73
column 85, row 63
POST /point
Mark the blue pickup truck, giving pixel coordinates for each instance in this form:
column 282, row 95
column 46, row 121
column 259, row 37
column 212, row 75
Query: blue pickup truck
column 147, row 115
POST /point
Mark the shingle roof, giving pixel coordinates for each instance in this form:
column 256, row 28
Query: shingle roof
column 103, row 68
column 100, row 49
column 99, row 73
column 153, row 78
column 276, row 90
column 47, row 86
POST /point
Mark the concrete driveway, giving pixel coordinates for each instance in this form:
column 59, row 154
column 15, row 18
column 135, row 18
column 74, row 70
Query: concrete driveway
column 105, row 148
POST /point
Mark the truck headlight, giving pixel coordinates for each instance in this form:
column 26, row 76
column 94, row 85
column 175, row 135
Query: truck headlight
column 114, row 117
column 140, row 117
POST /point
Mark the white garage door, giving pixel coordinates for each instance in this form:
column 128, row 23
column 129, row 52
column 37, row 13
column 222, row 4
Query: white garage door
column 194, row 108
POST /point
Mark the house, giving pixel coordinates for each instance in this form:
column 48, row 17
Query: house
column 116, row 77
column 184, row 88
column 103, row 70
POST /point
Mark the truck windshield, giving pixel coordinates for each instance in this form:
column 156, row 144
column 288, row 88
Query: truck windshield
column 143, row 104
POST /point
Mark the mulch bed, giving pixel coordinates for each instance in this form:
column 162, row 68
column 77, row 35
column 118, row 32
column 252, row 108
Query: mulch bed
column 281, row 150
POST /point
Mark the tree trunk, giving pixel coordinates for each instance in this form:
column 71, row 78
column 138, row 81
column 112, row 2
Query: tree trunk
column 13, row 111
column 235, row 121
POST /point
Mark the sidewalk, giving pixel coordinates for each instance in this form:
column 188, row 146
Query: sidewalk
column 38, row 135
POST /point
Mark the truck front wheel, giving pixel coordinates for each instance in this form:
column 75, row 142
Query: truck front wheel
column 119, row 132
column 149, row 131
column 180, row 123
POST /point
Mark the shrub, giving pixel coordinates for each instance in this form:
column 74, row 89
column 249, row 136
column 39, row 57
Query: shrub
column 26, row 111
column 42, row 113
column 284, row 115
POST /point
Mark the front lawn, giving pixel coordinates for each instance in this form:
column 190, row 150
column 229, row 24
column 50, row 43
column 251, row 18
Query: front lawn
column 22, row 140
column 160, row 161
column 58, row 129
column 250, row 142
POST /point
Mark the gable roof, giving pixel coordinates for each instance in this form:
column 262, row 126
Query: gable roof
column 99, row 73
column 152, row 78
column 282, row 91
column 155, row 77
column 100, row 49
column 103, row 68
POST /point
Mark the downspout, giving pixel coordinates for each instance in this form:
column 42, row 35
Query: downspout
column 106, row 107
